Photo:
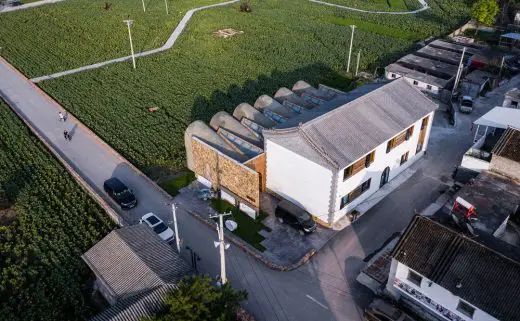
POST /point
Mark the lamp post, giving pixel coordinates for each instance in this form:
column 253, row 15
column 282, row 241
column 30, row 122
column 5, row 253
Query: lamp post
column 177, row 240
column 353, row 27
column 129, row 23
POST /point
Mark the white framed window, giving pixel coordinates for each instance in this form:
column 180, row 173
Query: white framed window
column 429, row 87
column 415, row 82
column 392, row 75
column 465, row 309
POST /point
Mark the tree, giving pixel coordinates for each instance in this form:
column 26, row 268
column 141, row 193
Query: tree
column 198, row 299
column 485, row 11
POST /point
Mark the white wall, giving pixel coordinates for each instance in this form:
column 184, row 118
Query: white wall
column 438, row 294
column 299, row 180
column 473, row 163
column 507, row 103
column 421, row 85
column 375, row 170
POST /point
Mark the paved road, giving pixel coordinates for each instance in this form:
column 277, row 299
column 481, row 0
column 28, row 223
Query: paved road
column 6, row 8
column 424, row 6
column 167, row 45
column 323, row 289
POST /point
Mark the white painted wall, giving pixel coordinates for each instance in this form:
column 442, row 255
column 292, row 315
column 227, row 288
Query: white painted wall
column 508, row 103
column 381, row 161
column 474, row 163
column 298, row 179
column 421, row 85
column 438, row 294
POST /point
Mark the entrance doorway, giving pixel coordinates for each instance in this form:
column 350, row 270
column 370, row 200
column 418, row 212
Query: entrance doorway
column 384, row 176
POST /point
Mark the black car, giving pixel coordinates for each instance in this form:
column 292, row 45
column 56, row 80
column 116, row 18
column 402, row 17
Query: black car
column 293, row 215
column 118, row 191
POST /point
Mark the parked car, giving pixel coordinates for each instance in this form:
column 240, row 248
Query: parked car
column 466, row 104
column 158, row 226
column 120, row 193
column 295, row 216
column 380, row 310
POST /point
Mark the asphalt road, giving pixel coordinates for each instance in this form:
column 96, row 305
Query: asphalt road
column 323, row 289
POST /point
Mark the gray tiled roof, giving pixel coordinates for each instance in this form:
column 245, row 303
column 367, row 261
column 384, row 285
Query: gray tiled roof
column 136, row 308
column 344, row 134
column 133, row 260
column 489, row 279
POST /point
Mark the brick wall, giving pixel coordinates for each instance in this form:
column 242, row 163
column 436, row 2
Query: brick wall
column 221, row 170
column 505, row 167
column 258, row 165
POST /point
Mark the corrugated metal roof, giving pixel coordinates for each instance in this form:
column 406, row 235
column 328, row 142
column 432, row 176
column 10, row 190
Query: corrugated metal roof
column 133, row 259
column 417, row 75
column 344, row 134
column 145, row 305
column 489, row 280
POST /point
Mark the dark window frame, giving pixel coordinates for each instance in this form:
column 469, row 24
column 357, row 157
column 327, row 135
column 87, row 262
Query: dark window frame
column 466, row 309
column 404, row 158
column 399, row 139
column 415, row 83
column 359, row 165
column 429, row 87
column 415, row 278
column 355, row 193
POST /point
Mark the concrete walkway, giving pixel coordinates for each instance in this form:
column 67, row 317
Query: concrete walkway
column 167, row 45
column 422, row 2
column 4, row 9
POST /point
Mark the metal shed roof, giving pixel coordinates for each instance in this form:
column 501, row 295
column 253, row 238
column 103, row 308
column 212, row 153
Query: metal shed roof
column 500, row 117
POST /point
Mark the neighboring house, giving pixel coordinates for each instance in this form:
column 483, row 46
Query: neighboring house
column 512, row 98
column 475, row 82
column 506, row 155
column 442, row 274
column 133, row 267
column 329, row 161
column 490, row 128
column 433, row 68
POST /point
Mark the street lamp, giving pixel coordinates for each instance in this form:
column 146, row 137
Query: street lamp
column 129, row 23
column 350, row 50
column 177, row 240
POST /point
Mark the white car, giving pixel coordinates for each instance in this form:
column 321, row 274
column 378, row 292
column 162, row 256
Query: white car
column 158, row 226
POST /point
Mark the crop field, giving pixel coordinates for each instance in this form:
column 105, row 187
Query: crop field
column 283, row 42
column 379, row 5
column 75, row 33
column 42, row 276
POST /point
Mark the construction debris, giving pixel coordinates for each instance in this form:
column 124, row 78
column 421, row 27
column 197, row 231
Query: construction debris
column 227, row 33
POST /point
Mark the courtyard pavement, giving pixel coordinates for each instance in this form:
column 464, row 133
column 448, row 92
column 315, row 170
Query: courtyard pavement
column 323, row 289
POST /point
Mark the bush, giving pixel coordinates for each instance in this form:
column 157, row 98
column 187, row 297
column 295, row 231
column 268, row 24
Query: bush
column 245, row 7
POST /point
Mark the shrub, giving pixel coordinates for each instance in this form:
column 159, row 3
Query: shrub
column 245, row 7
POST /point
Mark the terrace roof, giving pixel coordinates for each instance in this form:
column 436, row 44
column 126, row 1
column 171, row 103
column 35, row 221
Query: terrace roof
column 500, row 117
column 433, row 66
column 446, row 45
column 442, row 55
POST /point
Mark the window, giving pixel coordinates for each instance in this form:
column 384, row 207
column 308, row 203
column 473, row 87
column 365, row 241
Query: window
column 355, row 193
column 399, row 139
column 415, row 82
column 424, row 122
column 429, row 87
column 414, row 278
column 514, row 103
column 359, row 165
column 465, row 309
column 392, row 75
column 404, row 158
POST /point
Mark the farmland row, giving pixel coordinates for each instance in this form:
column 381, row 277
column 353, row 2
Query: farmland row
column 54, row 222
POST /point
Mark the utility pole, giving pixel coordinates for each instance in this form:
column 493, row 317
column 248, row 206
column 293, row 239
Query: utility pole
column 350, row 49
column 144, row 7
column 129, row 23
column 166, row 3
column 501, row 66
column 222, row 245
column 177, row 240
column 459, row 71
column 357, row 64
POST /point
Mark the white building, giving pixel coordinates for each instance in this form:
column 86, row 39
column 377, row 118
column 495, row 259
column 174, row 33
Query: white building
column 330, row 159
column 512, row 98
column 445, row 275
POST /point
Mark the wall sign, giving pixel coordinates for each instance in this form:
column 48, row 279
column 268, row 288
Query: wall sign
column 427, row 301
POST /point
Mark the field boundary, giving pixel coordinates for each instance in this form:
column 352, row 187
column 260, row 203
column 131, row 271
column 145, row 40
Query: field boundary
column 167, row 45
column 422, row 2
column 5, row 9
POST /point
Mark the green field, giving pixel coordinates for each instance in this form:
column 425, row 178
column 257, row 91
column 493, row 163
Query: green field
column 283, row 41
column 75, row 33
column 378, row 5
column 51, row 223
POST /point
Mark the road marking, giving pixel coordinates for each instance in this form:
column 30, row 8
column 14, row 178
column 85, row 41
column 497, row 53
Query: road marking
column 317, row 302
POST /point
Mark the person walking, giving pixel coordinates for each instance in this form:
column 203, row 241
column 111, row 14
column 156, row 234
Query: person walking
column 62, row 116
column 66, row 135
